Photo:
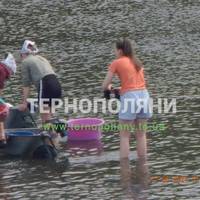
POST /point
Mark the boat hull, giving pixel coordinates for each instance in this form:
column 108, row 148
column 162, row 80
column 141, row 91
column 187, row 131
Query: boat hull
column 28, row 144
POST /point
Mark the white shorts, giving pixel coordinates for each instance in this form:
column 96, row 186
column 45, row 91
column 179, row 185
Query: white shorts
column 135, row 105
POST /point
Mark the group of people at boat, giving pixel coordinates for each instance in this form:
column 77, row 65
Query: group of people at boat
column 37, row 70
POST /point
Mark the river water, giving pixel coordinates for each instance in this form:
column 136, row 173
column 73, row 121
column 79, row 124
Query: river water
column 77, row 37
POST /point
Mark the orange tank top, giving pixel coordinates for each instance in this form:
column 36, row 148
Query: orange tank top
column 130, row 78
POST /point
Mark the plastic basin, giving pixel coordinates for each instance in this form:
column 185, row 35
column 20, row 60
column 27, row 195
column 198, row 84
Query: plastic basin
column 84, row 129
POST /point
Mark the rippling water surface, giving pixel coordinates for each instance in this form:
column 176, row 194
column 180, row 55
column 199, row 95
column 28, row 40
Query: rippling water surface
column 77, row 37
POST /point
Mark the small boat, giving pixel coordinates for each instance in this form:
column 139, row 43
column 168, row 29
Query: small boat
column 24, row 139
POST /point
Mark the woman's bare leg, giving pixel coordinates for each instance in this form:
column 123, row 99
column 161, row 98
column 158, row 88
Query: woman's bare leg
column 124, row 138
column 45, row 117
column 2, row 132
column 141, row 138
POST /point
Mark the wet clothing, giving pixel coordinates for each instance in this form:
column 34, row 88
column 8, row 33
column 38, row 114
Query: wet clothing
column 130, row 78
column 4, row 75
column 34, row 68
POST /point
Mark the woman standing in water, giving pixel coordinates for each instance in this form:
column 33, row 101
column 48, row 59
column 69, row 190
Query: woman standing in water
column 133, row 91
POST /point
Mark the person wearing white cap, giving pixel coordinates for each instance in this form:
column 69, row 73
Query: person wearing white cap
column 7, row 68
column 36, row 70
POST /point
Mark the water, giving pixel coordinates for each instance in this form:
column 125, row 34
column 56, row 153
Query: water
column 77, row 37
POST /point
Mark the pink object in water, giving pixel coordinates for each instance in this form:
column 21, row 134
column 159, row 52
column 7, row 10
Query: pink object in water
column 84, row 129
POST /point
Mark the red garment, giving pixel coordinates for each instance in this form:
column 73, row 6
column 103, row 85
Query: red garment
column 4, row 75
column 4, row 111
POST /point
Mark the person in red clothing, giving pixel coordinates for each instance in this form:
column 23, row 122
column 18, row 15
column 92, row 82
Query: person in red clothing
column 7, row 68
column 134, row 97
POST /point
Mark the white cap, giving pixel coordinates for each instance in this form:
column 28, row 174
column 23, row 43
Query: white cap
column 25, row 48
column 9, row 105
column 10, row 62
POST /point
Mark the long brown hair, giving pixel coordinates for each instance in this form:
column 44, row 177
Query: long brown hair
column 125, row 46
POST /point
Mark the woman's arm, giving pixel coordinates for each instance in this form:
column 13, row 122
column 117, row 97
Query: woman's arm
column 107, row 81
column 25, row 95
column 26, row 81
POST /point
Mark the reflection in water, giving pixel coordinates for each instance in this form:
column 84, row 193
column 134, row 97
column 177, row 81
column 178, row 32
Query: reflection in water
column 135, row 183
column 84, row 148
column 4, row 193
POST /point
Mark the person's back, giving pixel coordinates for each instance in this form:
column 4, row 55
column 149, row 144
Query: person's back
column 130, row 78
column 34, row 68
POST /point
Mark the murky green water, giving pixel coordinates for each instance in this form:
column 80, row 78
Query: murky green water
column 77, row 37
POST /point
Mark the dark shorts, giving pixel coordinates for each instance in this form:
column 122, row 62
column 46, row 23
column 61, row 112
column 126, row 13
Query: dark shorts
column 49, row 89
